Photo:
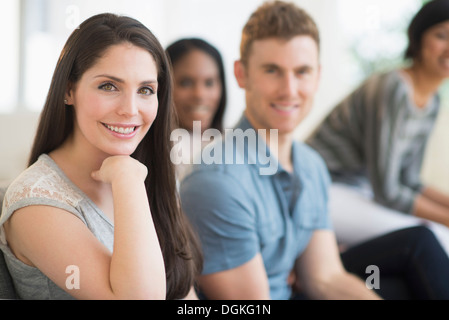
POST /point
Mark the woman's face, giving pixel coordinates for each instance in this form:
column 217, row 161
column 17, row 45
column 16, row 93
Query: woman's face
column 435, row 50
column 115, row 101
column 197, row 89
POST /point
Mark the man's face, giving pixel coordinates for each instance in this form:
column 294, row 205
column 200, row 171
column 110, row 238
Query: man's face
column 280, row 80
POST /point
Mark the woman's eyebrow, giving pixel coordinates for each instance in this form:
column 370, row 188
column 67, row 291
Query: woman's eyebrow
column 119, row 80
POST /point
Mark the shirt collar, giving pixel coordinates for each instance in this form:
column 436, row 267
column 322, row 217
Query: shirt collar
column 259, row 153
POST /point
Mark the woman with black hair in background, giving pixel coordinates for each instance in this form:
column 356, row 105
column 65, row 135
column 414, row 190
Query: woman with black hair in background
column 199, row 92
column 374, row 141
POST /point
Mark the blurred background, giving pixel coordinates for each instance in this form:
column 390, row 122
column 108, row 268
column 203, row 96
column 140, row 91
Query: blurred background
column 358, row 38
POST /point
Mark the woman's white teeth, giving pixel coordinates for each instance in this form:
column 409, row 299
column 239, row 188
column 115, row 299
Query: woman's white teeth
column 121, row 129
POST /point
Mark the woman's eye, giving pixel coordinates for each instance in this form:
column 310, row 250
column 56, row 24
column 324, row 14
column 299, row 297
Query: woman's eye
column 146, row 91
column 185, row 83
column 210, row 83
column 107, row 87
column 441, row 35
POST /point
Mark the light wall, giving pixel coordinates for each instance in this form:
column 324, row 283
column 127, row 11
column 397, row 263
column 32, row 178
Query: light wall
column 16, row 135
column 217, row 21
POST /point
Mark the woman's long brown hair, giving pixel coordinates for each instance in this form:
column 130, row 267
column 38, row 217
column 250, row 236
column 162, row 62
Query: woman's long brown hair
column 180, row 247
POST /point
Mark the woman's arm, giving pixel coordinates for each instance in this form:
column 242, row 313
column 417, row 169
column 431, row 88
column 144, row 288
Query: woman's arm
column 437, row 196
column 433, row 205
column 137, row 256
column 52, row 239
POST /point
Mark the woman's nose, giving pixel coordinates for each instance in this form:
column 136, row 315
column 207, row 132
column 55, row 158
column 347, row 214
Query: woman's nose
column 128, row 105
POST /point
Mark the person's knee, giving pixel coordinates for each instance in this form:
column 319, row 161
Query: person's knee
column 422, row 236
column 422, row 232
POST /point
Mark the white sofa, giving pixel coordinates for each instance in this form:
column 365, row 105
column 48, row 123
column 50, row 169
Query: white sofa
column 17, row 132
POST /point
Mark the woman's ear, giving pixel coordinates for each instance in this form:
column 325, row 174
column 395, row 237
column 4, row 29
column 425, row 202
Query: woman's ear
column 240, row 73
column 69, row 95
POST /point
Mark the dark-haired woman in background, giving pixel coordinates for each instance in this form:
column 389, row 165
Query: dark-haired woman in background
column 96, row 215
column 374, row 141
column 199, row 90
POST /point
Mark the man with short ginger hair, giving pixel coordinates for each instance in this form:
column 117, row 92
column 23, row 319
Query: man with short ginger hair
column 263, row 236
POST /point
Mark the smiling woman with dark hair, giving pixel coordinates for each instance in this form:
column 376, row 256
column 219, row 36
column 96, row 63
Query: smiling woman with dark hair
column 100, row 192
column 374, row 141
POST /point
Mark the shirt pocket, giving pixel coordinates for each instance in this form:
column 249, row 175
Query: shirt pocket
column 311, row 208
column 270, row 226
column 308, row 218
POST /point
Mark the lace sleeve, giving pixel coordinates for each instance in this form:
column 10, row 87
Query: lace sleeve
column 40, row 184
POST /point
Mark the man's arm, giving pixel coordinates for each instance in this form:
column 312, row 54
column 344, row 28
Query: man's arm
column 246, row 282
column 233, row 267
column 322, row 274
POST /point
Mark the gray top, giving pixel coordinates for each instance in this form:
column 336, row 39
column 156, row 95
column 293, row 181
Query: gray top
column 44, row 183
column 378, row 134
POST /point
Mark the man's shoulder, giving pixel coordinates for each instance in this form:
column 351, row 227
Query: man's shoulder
column 307, row 155
column 305, row 149
column 230, row 155
column 218, row 173
column 311, row 165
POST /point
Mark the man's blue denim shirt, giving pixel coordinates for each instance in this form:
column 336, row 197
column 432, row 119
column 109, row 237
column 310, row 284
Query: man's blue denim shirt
column 239, row 212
